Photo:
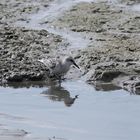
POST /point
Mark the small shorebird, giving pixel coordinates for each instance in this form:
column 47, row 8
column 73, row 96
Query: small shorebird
column 59, row 67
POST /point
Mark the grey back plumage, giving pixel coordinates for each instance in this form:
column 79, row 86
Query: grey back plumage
column 51, row 64
column 58, row 67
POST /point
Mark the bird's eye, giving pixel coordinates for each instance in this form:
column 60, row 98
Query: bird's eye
column 71, row 60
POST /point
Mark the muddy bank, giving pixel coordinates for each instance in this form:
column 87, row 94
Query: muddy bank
column 21, row 47
column 114, row 32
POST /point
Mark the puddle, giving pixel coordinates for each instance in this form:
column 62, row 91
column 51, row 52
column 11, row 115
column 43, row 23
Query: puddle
column 133, row 7
column 136, row 7
column 44, row 112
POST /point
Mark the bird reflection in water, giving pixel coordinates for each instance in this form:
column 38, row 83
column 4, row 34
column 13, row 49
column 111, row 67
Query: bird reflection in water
column 58, row 93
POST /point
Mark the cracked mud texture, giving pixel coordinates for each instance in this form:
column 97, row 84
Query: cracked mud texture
column 20, row 49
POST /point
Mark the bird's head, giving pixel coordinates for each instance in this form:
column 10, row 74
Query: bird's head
column 71, row 61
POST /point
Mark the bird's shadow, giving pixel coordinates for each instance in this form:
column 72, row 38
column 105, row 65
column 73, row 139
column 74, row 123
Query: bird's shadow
column 59, row 93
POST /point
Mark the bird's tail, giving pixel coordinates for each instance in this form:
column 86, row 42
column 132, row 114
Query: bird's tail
column 41, row 60
column 76, row 96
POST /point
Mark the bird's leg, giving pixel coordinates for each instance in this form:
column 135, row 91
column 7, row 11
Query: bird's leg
column 59, row 80
column 63, row 78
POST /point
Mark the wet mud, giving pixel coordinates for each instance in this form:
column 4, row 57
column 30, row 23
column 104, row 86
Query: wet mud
column 111, row 34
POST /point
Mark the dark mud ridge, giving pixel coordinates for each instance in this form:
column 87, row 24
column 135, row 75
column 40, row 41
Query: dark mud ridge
column 20, row 51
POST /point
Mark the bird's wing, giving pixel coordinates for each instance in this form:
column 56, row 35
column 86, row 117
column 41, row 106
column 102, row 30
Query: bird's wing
column 43, row 61
column 58, row 66
column 49, row 63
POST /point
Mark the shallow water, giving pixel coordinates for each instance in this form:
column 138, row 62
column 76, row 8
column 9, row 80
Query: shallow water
column 136, row 7
column 45, row 112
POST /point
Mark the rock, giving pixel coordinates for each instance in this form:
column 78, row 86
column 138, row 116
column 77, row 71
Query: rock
column 36, row 76
column 133, row 86
column 14, row 77
column 14, row 132
column 106, row 76
column 130, row 83
column 104, row 86
column 99, row 30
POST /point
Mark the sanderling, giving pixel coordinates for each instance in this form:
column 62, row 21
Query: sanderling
column 59, row 67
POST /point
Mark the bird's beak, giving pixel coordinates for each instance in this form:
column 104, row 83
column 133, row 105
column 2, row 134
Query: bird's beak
column 76, row 65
